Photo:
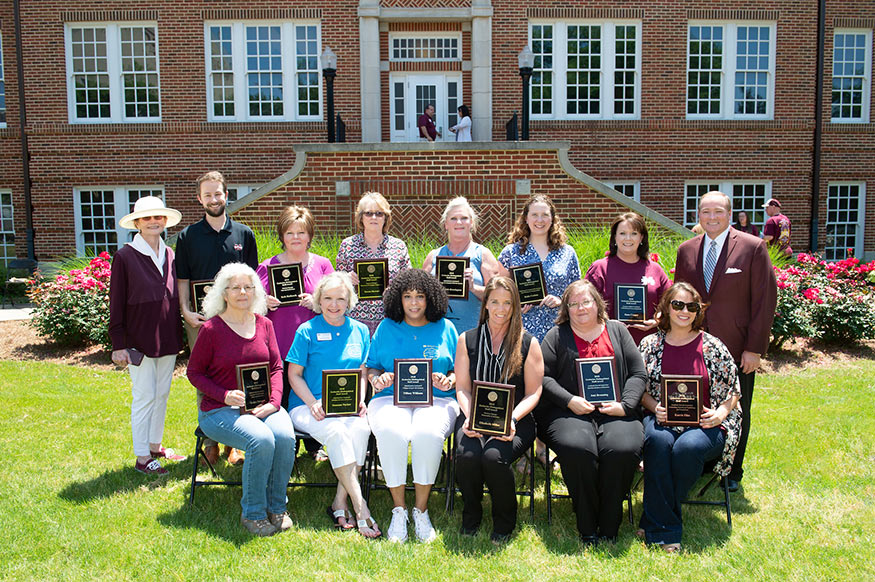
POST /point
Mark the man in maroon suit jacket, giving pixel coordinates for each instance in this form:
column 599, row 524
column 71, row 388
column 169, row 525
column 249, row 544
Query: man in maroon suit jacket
column 742, row 293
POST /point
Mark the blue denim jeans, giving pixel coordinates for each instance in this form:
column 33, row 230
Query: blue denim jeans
column 672, row 464
column 270, row 453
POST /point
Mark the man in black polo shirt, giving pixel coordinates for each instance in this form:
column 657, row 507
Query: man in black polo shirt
column 202, row 249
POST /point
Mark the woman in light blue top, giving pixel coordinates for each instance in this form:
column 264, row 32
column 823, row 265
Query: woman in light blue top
column 460, row 222
column 333, row 341
column 539, row 237
column 414, row 327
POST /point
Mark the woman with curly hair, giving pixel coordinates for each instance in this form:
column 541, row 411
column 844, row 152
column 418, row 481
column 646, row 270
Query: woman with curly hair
column 460, row 222
column 674, row 457
column 236, row 332
column 414, row 327
column 539, row 237
column 629, row 262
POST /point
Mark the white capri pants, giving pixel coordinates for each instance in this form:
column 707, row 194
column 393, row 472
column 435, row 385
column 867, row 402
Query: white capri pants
column 150, row 388
column 344, row 437
column 424, row 429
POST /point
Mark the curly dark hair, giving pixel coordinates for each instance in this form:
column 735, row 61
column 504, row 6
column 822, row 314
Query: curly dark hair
column 521, row 232
column 663, row 320
column 415, row 280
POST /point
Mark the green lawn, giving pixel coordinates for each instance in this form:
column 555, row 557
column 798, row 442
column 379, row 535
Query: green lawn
column 72, row 507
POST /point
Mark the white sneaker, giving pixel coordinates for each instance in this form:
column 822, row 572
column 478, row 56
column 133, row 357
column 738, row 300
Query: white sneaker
column 398, row 527
column 422, row 526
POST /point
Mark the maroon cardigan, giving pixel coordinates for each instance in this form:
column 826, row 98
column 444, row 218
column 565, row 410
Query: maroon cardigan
column 144, row 304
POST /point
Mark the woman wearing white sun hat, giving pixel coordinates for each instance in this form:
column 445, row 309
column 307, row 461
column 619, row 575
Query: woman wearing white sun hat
column 144, row 325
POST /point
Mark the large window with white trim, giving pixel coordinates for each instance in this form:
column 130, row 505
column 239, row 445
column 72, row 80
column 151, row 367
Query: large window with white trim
column 851, row 75
column 2, row 87
column 747, row 196
column 730, row 70
column 845, row 210
column 97, row 212
column 263, row 71
column 112, row 73
column 586, row 70
column 7, row 227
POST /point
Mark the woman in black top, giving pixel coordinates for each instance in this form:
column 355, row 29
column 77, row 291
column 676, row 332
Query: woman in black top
column 498, row 350
column 599, row 445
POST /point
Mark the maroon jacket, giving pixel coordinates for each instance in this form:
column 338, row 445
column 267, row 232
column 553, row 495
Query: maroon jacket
column 743, row 301
column 144, row 304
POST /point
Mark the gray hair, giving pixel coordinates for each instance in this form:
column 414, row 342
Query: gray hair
column 330, row 281
column 214, row 302
column 457, row 202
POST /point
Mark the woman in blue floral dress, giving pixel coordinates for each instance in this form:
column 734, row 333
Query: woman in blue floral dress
column 539, row 237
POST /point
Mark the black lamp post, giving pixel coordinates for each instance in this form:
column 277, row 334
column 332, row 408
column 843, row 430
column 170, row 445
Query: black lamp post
column 329, row 70
column 527, row 64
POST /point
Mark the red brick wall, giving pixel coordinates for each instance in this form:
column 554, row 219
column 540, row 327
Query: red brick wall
column 419, row 181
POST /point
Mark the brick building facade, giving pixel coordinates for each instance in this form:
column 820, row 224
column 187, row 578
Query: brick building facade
column 660, row 100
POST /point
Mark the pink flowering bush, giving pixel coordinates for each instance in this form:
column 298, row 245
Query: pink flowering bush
column 72, row 309
column 834, row 302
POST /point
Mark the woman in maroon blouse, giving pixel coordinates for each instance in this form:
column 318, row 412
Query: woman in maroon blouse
column 744, row 224
column 629, row 262
column 144, row 326
column 598, row 445
column 674, row 456
column 236, row 332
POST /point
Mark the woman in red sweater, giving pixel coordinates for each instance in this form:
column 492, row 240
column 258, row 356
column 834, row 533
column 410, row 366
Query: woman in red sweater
column 236, row 334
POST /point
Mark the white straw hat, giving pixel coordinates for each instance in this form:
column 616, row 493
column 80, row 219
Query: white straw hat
column 150, row 206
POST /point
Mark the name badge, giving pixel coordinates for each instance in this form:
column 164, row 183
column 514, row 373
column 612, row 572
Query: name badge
column 323, row 337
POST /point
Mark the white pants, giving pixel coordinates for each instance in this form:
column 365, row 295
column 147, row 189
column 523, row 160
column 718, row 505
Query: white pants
column 345, row 437
column 424, row 429
column 150, row 388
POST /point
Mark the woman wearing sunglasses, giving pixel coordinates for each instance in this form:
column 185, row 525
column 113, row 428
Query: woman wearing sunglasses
column 674, row 456
column 373, row 216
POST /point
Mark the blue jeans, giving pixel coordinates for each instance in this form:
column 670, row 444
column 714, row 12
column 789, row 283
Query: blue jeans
column 672, row 464
column 270, row 453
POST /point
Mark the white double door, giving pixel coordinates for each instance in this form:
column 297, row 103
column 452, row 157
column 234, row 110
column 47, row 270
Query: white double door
column 410, row 94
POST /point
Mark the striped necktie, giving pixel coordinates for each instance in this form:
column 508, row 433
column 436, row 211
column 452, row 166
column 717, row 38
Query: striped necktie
column 710, row 263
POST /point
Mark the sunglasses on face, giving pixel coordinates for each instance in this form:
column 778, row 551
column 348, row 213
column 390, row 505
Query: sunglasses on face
column 375, row 214
column 692, row 307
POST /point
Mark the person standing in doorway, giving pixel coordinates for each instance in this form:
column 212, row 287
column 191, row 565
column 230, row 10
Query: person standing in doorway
column 426, row 126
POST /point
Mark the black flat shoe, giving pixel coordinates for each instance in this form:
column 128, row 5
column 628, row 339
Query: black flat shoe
column 732, row 485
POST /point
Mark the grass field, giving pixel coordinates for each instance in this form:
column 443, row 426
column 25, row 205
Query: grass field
column 73, row 508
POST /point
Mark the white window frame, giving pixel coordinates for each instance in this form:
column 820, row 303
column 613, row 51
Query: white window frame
column 691, row 204
column 728, row 70
column 606, row 72
column 240, row 190
column 393, row 36
column 633, row 184
column 114, row 72
column 239, row 68
column 121, row 207
column 867, row 76
column 4, row 256
column 2, row 85
column 861, row 217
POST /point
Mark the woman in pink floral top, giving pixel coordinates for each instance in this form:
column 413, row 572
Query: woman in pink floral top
column 373, row 216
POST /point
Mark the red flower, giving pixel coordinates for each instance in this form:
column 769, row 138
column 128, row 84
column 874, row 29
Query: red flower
column 654, row 257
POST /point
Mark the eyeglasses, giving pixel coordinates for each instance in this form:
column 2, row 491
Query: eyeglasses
column 156, row 217
column 238, row 289
column 581, row 304
column 692, row 306
column 374, row 214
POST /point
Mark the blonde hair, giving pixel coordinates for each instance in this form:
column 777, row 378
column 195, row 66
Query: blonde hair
column 292, row 215
column 330, row 281
column 381, row 203
column 457, row 202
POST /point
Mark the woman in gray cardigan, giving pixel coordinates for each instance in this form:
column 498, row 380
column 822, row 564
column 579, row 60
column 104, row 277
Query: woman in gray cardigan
column 599, row 445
